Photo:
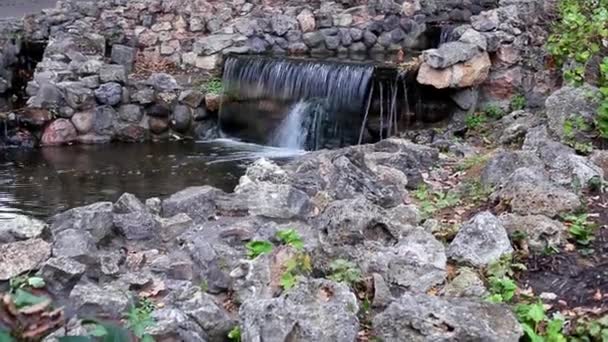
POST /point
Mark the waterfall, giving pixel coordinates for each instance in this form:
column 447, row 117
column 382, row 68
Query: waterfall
column 308, row 100
column 446, row 34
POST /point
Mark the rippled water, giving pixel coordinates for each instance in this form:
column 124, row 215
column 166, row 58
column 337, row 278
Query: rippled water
column 45, row 181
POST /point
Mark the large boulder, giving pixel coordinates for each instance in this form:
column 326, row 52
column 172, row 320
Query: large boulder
column 314, row 310
column 571, row 103
column 59, row 132
column 22, row 256
column 540, row 231
column 95, row 218
column 565, row 167
column 273, row 200
column 109, row 93
column 197, row 202
column 91, row 300
column 504, row 162
column 20, row 227
column 420, row 318
column 480, row 241
column 464, row 74
column 449, row 54
column 529, row 191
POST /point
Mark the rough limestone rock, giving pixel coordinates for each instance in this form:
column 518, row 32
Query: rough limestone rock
column 504, row 162
column 95, row 218
column 20, row 227
column 61, row 273
column 540, row 231
column 128, row 203
column 480, row 241
column 22, row 256
column 466, row 284
column 529, row 191
column 109, row 93
column 417, row 262
column 138, row 225
column 162, row 82
column 197, row 202
column 569, row 103
column 449, row 54
column 74, row 243
column 465, row 74
column 273, row 200
column 314, row 310
column 92, row 300
column 420, row 318
column 59, row 132
column 565, row 167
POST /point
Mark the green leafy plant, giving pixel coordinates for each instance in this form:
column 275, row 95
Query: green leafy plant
column 139, row 318
column 476, row 191
column 213, row 86
column 475, row 121
column 587, row 330
column 256, row 248
column 574, row 126
column 537, row 326
column 501, row 289
column 494, row 112
column 580, row 228
column 345, row 271
column 290, row 237
column 26, row 281
column 518, row 102
column 506, row 266
column 297, row 265
column 103, row 332
column 234, row 335
column 430, row 202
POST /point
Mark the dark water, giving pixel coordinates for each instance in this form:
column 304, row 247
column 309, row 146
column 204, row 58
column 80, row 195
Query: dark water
column 45, row 181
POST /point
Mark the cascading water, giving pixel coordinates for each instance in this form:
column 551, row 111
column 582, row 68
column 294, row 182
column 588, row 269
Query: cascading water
column 307, row 104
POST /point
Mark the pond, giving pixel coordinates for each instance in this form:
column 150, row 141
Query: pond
column 45, row 181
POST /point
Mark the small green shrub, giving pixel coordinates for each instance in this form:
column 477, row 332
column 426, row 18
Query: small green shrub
column 494, row 112
column 298, row 265
column 580, row 228
column 234, row 335
column 26, row 281
column 213, row 86
column 344, row 271
column 139, row 317
column 256, row 248
column 476, row 191
column 537, row 326
column 430, row 202
column 591, row 330
column 475, row 121
column 518, row 102
column 501, row 290
column 504, row 267
column 470, row 162
column 290, row 237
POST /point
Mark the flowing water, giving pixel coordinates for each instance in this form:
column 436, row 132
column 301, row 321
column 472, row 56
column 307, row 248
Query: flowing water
column 45, row 181
column 294, row 103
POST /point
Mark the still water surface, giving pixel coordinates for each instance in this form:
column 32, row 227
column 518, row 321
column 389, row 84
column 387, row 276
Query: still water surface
column 45, row 181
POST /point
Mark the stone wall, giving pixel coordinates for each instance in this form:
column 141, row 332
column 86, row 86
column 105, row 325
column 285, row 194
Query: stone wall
column 10, row 44
column 99, row 79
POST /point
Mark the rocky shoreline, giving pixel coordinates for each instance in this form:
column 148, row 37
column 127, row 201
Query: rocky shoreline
column 190, row 254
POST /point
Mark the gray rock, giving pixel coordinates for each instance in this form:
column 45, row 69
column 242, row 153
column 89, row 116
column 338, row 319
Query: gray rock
column 143, row 96
column 174, row 324
column 113, row 73
column 417, row 262
column 74, row 243
column 77, row 95
column 504, row 163
column 474, row 37
column 529, row 191
column 273, row 200
column 95, row 218
column 480, row 241
column 201, row 307
column 138, row 225
column 109, row 93
column 314, row 310
column 61, row 273
column 369, row 38
column 22, row 256
column 466, row 98
column 48, row 96
column 213, row 44
column 104, row 122
column 313, row 39
column 83, row 121
column 128, row 203
column 283, row 23
column 191, row 97
column 539, row 231
column 181, row 119
column 162, row 82
column 124, row 55
column 130, row 113
column 197, row 202
column 90, row 67
column 172, row 227
column 92, row 300
column 466, row 284
column 20, row 227
column 420, row 317
column 570, row 103
column 90, row 82
column 565, row 167
column 449, row 54
column 486, row 21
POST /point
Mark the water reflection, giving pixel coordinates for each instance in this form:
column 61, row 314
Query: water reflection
column 45, row 181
